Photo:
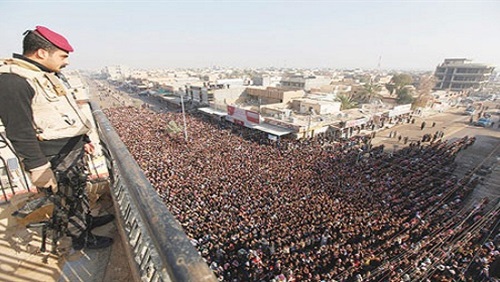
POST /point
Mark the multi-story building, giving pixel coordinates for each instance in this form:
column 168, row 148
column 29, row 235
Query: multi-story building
column 272, row 95
column 305, row 82
column 118, row 72
column 461, row 74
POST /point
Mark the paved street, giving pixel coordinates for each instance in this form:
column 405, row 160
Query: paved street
column 453, row 123
column 485, row 151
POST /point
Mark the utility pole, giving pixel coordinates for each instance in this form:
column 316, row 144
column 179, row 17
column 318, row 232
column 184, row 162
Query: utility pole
column 184, row 115
column 308, row 124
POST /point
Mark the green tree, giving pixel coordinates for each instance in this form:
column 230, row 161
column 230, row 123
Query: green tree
column 390, row 87
column 404, row 96
column 365, row 78
column 398, row 82
column 368, row 92
column 173, row 128
column 401, row 80
column 346, row 101
column 235, row 74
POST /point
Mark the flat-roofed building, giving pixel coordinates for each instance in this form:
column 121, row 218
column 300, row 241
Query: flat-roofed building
column 231, row 82
column 461, row 74
column 118, row 72
column 305, row 82
column 265, row 80
column 313, row 106
column 336, row 88
column 272, row 95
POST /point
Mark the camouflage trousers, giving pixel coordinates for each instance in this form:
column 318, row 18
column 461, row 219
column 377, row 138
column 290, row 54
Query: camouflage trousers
column 73, row 209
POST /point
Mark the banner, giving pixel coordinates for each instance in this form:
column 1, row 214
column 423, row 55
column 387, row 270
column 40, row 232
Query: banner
column 253, row 117
column 246, row 116
column 356, row 122
column 400, row 110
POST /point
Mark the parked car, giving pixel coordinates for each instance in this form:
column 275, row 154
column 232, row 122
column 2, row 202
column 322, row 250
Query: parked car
column 470, row 111
column 483, row 122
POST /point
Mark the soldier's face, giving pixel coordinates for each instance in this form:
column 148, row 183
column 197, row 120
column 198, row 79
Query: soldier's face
column 56, row 60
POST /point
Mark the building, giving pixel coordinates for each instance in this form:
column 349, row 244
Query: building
column 266, row 80
column 118, row 72
column 272, row 95
column 461, row 74
column 305, row 82
column 231, row 82
column 313, row 106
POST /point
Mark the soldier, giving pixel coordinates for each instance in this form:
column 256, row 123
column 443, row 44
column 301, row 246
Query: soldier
column 48, row 131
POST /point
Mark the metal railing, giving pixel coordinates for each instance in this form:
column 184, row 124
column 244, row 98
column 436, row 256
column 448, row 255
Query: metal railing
column 156, row 244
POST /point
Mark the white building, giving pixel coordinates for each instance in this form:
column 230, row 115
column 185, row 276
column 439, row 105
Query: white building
column 118, row 72
column 305, row 82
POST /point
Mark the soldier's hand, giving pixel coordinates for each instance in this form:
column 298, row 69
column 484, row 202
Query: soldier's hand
column 43, row 177
column 89, row 148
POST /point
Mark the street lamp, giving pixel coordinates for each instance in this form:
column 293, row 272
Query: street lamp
column 308, row 125
column 184, row 115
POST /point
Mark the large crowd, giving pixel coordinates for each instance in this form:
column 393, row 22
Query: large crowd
column 315, row 209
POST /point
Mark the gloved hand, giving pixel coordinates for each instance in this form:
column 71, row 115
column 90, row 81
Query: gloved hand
column 43, row 177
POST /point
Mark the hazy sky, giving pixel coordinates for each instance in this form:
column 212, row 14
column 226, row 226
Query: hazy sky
column 332, row 34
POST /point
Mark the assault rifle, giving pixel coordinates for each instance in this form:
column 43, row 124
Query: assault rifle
column 57, row 223
column 52, row 212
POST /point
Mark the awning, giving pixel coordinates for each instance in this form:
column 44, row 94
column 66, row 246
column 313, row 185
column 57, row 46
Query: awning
column 271, row 129
column 212, row 111
column 265, row 127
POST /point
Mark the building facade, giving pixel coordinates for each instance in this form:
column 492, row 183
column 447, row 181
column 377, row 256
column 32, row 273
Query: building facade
column 305, row 82
column 118, row 72
column 461, row 74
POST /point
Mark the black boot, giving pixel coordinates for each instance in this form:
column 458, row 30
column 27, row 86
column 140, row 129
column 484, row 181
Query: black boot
column 96, row 221
column 90, row 241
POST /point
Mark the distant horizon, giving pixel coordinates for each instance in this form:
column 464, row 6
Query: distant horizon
column 258, row 68
column 391, row 36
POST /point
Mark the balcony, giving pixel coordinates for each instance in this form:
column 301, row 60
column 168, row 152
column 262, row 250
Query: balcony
column 150, row 244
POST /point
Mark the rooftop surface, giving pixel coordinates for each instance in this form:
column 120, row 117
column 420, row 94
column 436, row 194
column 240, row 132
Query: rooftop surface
column 22, row 259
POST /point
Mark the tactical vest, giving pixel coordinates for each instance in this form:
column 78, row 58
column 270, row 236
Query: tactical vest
column 55, row 112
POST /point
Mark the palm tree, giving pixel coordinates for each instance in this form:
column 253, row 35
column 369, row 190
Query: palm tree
column 346, row 101
column 369, row 92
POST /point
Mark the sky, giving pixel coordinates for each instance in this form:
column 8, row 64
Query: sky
column 403, row 35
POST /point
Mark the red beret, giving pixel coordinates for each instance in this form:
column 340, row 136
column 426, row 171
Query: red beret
column 55, row 38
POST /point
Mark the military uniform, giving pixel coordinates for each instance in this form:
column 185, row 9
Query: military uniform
column 48, row 131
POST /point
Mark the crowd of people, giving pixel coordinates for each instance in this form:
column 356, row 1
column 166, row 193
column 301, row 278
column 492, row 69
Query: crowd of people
column 315, row 209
